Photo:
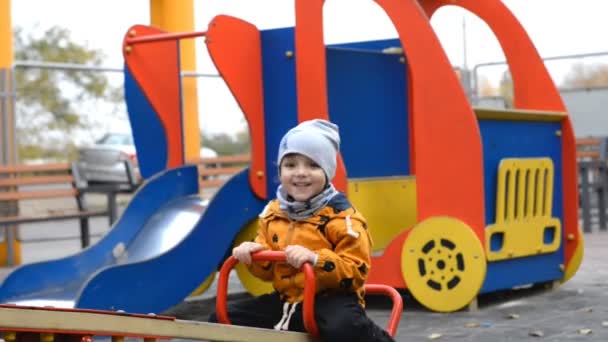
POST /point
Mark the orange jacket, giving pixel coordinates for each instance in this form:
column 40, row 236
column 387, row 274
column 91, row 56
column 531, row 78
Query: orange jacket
column 337, row 233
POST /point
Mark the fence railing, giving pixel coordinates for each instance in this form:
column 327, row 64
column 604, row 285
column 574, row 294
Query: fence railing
column 592, row 182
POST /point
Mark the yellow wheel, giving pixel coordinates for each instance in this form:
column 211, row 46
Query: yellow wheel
column 443, row 263
column 253, row 285
column 577, row 257
column 204, row 285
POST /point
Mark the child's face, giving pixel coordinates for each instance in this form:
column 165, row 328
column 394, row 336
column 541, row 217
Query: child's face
column 301, row 177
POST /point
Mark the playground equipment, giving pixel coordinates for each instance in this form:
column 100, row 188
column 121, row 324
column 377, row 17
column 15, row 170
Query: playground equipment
column 309, row 293
column 459, row 201
column 22, row 323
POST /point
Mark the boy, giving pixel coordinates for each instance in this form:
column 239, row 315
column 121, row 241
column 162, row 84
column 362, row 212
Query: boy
column 312, row 222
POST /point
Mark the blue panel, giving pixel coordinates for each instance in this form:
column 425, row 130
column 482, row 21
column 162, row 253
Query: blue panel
column 62, row 278
column 374, row 45
column 280, row 104
column 520, row 139
column 148, row 131
column 507, row 274
column 367, row 99
column 157, row 284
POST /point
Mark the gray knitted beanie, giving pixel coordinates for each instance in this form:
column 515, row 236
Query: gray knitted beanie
column 317, row 139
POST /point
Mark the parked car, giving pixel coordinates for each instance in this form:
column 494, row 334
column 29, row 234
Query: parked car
column 113, row 159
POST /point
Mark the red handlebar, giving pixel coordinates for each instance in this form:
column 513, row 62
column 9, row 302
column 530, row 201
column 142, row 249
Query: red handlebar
column 309, row 288
column 309, row 293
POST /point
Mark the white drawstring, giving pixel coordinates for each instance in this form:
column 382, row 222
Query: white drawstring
column 279, row 325
column 286, row 324
column 287, row 313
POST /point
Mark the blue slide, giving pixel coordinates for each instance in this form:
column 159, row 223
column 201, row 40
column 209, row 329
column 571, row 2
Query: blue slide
column 164, row 245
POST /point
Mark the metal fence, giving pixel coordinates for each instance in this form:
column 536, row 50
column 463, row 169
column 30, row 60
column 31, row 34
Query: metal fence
column 593, row 188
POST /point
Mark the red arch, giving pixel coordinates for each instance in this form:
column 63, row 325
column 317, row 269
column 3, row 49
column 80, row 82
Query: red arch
column 311, row 76
column 446, row 142
column 533, row 89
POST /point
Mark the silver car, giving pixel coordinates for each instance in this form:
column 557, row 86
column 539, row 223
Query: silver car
column 111, row 160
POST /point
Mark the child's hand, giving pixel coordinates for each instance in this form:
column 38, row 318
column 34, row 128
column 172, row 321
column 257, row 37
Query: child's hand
column 243, row 251
column 298, row 255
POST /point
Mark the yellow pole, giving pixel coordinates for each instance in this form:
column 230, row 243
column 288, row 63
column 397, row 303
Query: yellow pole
column 6, row 35
column 178, row 16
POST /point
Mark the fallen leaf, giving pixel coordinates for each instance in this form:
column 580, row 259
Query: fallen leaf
column 536, row 333
column 585, row 331
column 434, row 336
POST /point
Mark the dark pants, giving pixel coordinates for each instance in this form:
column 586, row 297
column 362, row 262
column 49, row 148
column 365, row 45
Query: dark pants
column 339, row 317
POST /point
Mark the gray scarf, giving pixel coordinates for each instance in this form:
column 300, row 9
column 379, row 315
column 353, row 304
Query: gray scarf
column 302, row 210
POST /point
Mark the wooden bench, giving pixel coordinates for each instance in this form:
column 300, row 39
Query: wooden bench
column 591, row 148
column 46, row 181
column 214, row 172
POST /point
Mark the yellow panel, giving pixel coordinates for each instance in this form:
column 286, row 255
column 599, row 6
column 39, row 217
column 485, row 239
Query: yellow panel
column 388, row 204
column 524, row 198
column 519, row 115
column 442, row 263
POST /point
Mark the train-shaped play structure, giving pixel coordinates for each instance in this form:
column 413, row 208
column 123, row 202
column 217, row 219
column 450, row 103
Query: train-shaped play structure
column 460, row 201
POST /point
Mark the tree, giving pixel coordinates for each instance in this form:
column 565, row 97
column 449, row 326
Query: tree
column 49, row 102
column 225, row 144
column 485, row 88
column 586, row 76
column 505, row 88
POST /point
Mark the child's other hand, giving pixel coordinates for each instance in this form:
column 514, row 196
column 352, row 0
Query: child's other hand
column 298, row 255
column 243, row 251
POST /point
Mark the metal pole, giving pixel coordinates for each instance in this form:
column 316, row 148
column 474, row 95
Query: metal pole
column 81, row 67
column 582, row 55
column 63, row 66
column 163, row 37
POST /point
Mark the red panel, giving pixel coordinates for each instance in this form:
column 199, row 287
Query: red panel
column 386, row 269
column 311, row 77
column 235, row 48
column 446, row 142
column 156, row 68
column 533, row 89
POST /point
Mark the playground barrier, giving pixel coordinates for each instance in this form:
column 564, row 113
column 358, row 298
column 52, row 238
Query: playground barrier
column 45, row 181
column 593, row 185
column 22, row 182
column 214, row 172
column 593, row 181
column 591, row 148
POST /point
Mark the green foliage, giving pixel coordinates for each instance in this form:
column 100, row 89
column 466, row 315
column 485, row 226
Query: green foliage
column 49, row 101
column 225, row 144
column 505, row 88
column 587, row 76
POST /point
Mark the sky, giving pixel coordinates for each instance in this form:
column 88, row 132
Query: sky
column 556, row 27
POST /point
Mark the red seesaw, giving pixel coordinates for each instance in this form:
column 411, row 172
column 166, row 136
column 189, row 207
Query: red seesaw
column 309, row 293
